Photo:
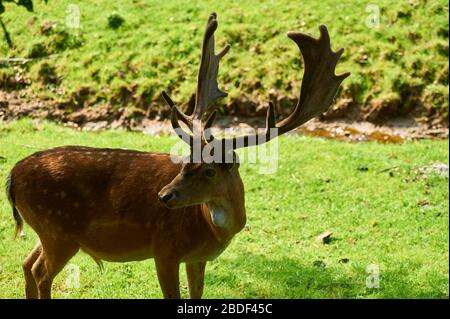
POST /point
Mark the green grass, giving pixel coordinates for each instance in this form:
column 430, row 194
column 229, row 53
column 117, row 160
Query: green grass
column 375, row 219
column 399, row 65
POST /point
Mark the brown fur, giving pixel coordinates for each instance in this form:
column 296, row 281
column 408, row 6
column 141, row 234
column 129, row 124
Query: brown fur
column 105, row 202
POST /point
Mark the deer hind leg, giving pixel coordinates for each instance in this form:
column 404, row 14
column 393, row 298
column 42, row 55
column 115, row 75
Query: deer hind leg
column 31, row 291
column 51, row 261
column 168, row 277
column 195, row 275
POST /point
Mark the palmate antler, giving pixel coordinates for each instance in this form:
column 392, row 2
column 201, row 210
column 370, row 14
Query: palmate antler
column 319, row 86
column 207, row 87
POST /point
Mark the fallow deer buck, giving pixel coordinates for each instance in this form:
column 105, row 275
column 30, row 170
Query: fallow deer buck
column 123, row 205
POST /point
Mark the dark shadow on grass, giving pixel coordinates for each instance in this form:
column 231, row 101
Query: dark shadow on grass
column 291, row 278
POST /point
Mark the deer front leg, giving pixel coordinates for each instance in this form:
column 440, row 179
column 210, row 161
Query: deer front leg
column 168, row 277
column 195, row 275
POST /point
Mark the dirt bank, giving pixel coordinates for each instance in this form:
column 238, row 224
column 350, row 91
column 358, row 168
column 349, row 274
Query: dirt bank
column 15, row 104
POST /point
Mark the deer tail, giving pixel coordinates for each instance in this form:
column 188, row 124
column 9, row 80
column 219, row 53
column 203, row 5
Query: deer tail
column 10, row 194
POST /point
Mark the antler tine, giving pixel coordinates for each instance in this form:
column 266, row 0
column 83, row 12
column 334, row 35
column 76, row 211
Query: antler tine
column 186, row 120
column 319, row 86
column 186, row 137
column 253, row 139
column 207, row 87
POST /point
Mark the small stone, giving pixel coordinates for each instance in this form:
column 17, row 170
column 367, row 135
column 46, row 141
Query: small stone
column 95, row 126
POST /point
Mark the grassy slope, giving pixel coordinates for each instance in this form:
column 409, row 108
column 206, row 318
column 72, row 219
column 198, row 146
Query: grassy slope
column 375, row 218
column 158, row 48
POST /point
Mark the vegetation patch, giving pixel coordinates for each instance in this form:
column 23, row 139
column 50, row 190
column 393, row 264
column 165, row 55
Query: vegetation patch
column 374, row 206
column 128, row 52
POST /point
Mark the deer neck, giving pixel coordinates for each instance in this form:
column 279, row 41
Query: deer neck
column 226, row 216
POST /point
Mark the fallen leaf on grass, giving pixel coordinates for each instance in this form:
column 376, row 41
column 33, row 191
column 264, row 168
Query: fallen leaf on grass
column 324, row 238
column 423, row 203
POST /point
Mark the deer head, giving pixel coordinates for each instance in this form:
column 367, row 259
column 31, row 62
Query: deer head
column 211, row 170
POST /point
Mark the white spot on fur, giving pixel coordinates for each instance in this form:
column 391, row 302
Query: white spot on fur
column 218, row 216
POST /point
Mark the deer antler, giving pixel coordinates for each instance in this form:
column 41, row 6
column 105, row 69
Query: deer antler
column 319, row 86
column 207, row 88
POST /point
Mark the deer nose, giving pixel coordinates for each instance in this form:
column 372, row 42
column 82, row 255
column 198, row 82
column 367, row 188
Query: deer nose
column 165, row 197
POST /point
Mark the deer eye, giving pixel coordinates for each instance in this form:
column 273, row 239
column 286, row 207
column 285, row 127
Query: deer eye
column 210, row 172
